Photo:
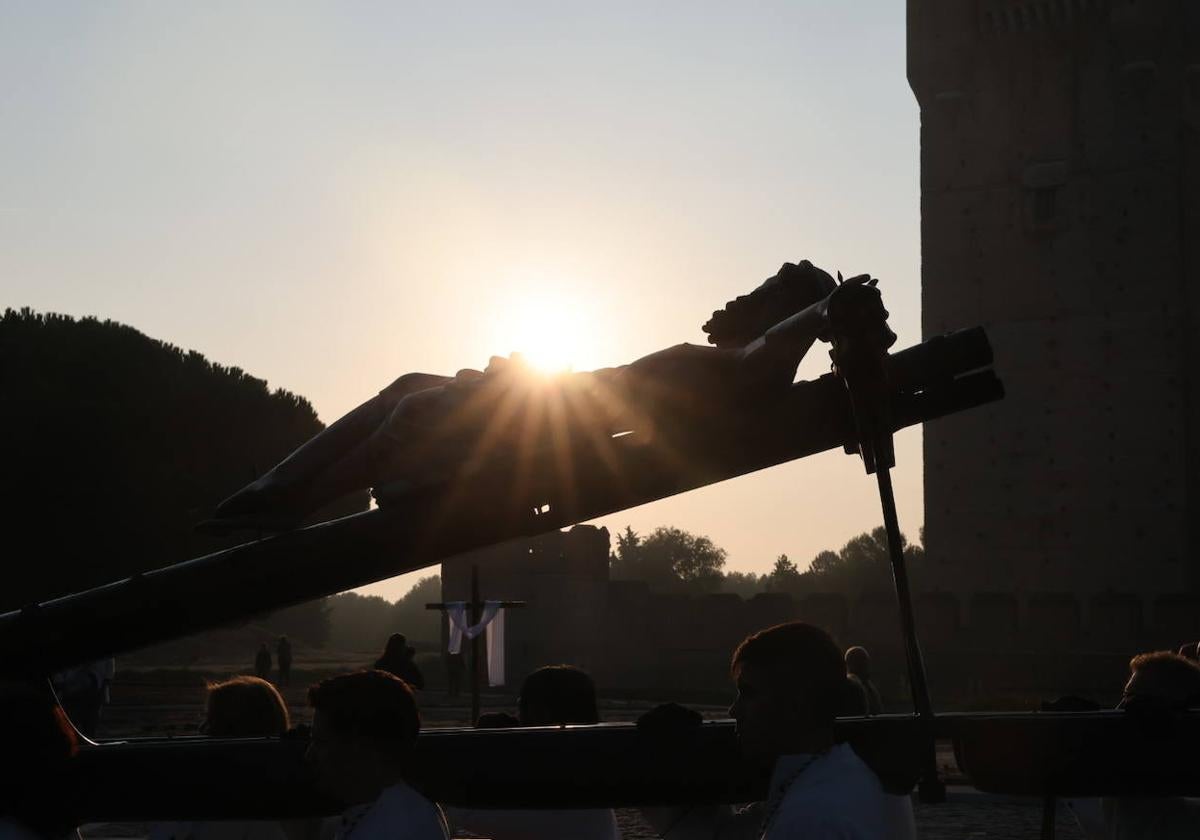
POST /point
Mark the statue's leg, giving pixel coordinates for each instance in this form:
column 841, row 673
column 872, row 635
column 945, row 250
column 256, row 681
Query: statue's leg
column 412, row 444
column 292, row 488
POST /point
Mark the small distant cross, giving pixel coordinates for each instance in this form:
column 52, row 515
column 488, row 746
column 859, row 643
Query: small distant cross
column 475, row 608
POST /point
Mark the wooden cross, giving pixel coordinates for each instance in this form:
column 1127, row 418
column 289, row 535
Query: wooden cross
column 475, row 607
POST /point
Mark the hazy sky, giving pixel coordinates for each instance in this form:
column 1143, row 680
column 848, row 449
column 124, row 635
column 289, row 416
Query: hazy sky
column 329, row 195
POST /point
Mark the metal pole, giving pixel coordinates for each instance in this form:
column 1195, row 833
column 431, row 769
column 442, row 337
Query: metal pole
column 930, row 787
column 908, row 624
column 476, row 610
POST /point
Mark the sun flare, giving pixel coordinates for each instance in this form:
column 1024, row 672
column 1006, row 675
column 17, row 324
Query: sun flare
column 553, row 334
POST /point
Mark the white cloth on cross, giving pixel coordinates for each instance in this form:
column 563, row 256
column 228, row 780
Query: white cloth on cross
column 495, row 649
column 493, row 614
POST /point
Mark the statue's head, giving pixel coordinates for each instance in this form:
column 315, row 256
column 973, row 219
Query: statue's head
column 795, row 287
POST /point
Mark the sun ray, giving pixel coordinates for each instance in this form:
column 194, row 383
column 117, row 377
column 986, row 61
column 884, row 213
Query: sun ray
column 551, row 332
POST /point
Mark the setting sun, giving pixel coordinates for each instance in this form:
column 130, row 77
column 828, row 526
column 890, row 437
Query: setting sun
column 551, row 332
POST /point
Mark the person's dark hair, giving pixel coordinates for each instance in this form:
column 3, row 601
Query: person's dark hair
column 496, row 720
column 245, row 707
column 371, row 704
column 1179, row 672
column 800, row 658
column 558, row 694
column 395, row 653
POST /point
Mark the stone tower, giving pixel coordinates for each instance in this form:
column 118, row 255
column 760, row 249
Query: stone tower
column 1060, row 179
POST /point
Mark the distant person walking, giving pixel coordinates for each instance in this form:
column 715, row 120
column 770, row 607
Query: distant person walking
column 858, row 667
column 283, row 656
column 262, row 662
column 398, row 659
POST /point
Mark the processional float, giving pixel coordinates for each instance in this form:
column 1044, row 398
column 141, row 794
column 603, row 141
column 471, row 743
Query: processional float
column 473, row 502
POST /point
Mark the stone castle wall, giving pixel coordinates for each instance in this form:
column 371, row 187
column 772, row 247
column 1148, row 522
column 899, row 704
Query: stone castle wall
column 651, row 644
column 1059, row 151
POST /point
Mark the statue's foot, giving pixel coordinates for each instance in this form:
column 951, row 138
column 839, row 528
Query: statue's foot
column 266, row 504
column 262, row 523
column 795, row 287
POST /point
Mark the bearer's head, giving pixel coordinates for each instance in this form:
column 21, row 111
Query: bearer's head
column 244, row 707
column 364, row 727
column 791, row 680
column 555, row 695
column 1162, row 680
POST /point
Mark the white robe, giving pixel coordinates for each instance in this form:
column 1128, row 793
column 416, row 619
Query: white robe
column 836, row 797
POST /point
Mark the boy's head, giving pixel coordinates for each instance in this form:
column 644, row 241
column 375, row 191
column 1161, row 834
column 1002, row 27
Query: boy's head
column 791, row 683
column 364, row 727
column 558, row 694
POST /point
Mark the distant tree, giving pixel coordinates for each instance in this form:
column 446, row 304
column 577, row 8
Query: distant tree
column 360, row 622
column 626, row 556
column 669, row 559
column 308, row 623
column 825, row 563
column 410, row 616
column 862, row 563
column 364, row 622
column 745, row 584
column 785, row 577
column 116, row 445
column 783, row 571
column 784, row 568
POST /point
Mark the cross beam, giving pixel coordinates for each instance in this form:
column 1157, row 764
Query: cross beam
column 416, row 529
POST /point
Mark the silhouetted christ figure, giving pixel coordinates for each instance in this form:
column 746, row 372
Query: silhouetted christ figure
column 421, row 429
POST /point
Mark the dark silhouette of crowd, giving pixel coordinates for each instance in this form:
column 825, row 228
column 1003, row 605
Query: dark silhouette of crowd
column 790, row 682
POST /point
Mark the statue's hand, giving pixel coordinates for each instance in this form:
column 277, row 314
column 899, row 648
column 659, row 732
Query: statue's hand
column 501, row 372
column 855, row 308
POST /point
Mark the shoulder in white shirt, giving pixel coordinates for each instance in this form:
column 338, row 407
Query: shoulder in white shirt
column 400, row 813
column 837, row 795
column 577, row 824
column 834, row 796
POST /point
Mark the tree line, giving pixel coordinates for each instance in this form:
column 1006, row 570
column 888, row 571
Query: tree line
column 115, row 445
column 363, row 622
column 672, row 560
